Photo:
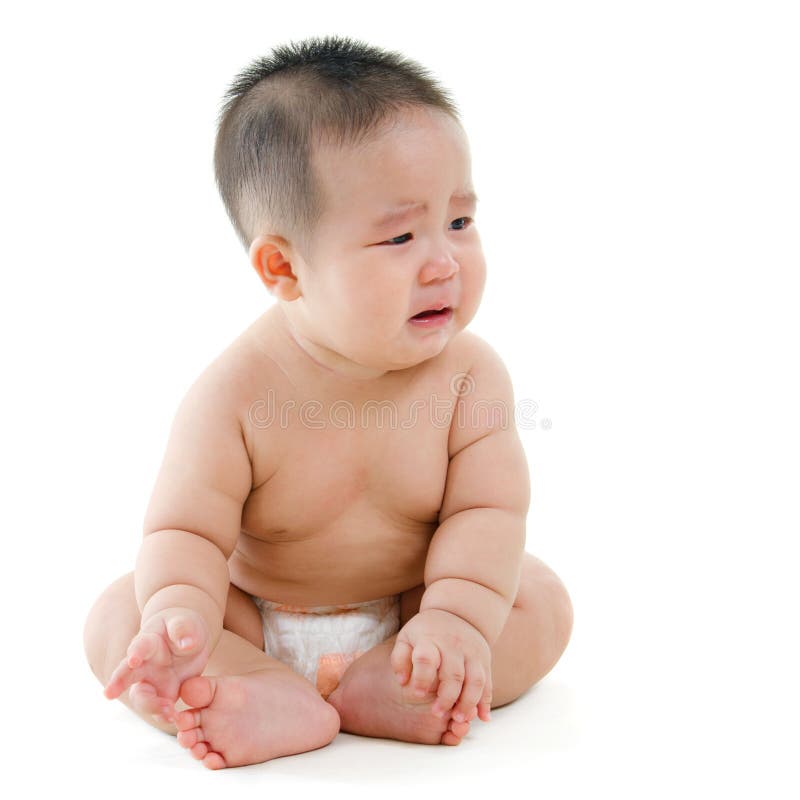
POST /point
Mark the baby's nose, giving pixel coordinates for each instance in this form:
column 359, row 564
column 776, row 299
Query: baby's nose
column 439, row 268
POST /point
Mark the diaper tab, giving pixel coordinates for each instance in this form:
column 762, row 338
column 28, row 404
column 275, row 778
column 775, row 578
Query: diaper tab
column 321, row 642
column 331, row 667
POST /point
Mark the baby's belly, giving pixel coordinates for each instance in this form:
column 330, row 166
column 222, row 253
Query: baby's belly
column 337, row 566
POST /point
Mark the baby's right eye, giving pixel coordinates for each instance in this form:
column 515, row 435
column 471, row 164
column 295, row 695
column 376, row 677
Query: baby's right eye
column 394, row 239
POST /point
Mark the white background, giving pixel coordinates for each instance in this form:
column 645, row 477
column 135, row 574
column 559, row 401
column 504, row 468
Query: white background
column 638, row 170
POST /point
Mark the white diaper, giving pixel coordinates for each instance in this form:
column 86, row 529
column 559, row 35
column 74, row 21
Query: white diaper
column 320, row 642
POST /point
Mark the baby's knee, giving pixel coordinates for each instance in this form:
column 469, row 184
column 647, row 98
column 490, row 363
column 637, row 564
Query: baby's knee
column 543, row 594
column 550, row 593
column 113, row 618
column 563, row 617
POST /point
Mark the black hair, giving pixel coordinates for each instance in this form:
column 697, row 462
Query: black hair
column 333, row 90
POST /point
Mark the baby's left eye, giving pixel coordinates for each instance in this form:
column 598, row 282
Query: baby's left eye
column 465, row 220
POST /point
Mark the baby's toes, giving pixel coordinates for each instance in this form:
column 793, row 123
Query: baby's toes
column 455, row 732
column 190, row 730
column 191, row 737
column 186, row 720
column 199, row 751
column 209, row 758
column 214, row 761
column 198, row 691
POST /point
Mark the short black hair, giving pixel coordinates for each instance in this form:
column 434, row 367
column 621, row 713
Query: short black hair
column 334, row 89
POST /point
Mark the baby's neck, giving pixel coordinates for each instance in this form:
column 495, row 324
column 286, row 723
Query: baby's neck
column 318, row 363
column 328, row 360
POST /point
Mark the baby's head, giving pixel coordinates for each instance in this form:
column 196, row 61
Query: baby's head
column 320, row 147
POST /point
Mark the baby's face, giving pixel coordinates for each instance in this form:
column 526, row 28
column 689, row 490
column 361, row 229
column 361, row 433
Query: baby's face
column 369, row 274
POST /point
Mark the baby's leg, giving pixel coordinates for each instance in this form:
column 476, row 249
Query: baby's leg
column 246, row 708
column 535, row 636
column 370, row 701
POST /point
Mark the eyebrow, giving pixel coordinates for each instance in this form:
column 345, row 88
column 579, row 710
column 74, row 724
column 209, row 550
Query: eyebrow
column 413, row 209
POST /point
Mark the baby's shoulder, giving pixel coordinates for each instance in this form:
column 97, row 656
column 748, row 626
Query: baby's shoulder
column 470, row 352
column 229, row 380
column 478, row 373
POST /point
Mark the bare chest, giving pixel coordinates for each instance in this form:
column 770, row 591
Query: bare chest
column 336, row 457
column 347, row 493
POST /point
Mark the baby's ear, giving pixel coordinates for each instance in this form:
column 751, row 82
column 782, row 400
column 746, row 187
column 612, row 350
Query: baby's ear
column 271, row 259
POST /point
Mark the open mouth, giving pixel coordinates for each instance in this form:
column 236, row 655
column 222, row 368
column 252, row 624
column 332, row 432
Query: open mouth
column 441, row 312
column 432, row 319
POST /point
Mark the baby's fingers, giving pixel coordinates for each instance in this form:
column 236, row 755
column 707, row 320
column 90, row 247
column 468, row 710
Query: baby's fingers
column 473, row 691
column 121, row 678
column 426, row 660
column 485, row 703
column 184, row 635
column 451, row 679
column 400, row 659
column 143, row 647
column 145, row 700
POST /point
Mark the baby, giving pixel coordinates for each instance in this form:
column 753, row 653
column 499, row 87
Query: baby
column 335, row 540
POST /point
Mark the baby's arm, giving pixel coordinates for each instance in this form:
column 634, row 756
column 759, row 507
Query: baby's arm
column 190, row 529
column 475, row 557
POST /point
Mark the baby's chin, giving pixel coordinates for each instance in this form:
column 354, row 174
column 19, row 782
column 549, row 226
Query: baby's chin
column 404, row 350
column 393, row 359
column 422, row 351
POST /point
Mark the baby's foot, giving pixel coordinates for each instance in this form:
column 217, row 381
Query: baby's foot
column 371, row 702
column 246, row 719
column 171, row 646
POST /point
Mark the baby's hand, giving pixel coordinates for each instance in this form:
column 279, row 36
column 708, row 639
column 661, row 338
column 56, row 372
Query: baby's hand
column 171, row 647
column 437, row 643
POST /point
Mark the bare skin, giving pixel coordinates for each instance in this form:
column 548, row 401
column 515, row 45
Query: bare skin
column 245, row 708
column 401, row 508
column 368, row 701
column 313, row 463
column 221, row 722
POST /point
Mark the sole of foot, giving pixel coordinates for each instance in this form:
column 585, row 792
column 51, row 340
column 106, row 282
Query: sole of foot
column 247, row 719
column 371, row 702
